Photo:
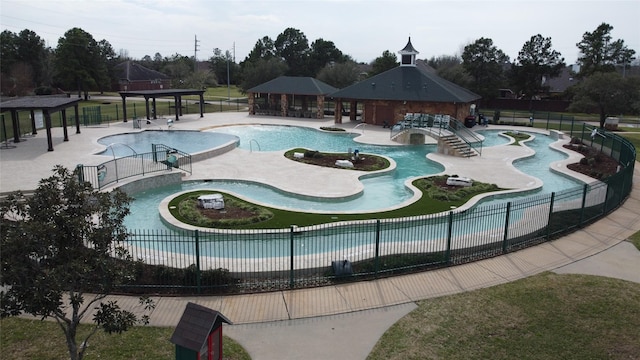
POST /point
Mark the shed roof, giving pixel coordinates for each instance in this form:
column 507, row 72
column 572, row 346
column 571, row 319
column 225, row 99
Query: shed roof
column 294, row 85
column 51, row 103
column 195, row 325
column 407, row 83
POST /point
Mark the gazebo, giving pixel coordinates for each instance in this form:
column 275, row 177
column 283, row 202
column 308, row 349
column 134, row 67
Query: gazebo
column 153, row 94
column 46, row 104
column 299, row 97
column 412, row 87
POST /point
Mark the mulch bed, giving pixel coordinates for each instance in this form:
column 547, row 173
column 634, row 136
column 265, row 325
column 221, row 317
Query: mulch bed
column 601, row 167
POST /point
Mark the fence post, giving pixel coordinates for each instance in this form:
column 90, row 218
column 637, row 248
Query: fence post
column 291, row 258
column 198, row 278
column 506, row 228
column 377, row 258
column 584, row 201
column 449, row 236
column 606, row 199
column 551, row 202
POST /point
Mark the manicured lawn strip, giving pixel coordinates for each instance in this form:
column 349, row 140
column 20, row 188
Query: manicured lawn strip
column 548, row 316
column 635, row 240
column 425, row 205
column 518, row 137
column 34, row 339
column 634, row 138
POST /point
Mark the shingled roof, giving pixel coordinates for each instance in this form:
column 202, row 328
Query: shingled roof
column 135, row 72
column 294, row 85
column 195, row 325
column 407, row 83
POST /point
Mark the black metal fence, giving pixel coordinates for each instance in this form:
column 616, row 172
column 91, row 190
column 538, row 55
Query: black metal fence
column 218, row 261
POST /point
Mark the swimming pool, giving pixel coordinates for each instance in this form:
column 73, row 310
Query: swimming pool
column 380, row 192
column 187, row 141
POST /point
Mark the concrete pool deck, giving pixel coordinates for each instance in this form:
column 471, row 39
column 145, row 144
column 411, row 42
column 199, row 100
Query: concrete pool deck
column 343, row 320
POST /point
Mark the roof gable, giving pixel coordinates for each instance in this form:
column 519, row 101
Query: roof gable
column 407, row 84
column 195, row 325
column 294, row 85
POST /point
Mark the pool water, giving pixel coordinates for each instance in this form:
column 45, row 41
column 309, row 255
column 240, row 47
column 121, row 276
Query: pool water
column 380, row 192
column 190, row 142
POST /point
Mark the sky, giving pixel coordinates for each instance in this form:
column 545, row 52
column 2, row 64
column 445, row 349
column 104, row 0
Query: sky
column 361, row 29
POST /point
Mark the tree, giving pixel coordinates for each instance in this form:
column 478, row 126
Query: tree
column 222, row 65
column 450, row 68
column 179, row 68
column 387, row 61
column 261, row 71
column 292, row 46
column 536, row 61
column 60, row 244
column 599, row 54
column 263, row 49
column 31, row 50
column 23, row 61
column 608, row 94
column 485, row 63
column 79, row 62
column 110, row 59
column 340, row 75
column 323, row 53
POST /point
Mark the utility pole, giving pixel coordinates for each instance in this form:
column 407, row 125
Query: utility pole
column 195, row 53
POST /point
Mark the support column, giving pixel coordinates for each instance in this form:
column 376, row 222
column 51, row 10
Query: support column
column 15, row 123
column 353, row 110
column 146, row 106
column 320, row 102
column 251, row 100
column 176, row 103
column 47, row 121
column 337, row 113
column 284, row 105
column 63, row 112
column 202, row 105
column 124, row 108
column 33, row 123
column 77, row 115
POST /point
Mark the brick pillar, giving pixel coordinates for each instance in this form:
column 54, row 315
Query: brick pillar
column 251, row 101
column 337, row 114
column 320, row 107
column 284, row 104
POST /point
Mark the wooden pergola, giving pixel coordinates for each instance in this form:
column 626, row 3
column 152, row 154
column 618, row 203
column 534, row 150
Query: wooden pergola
column 48, row 105
column 153, row 94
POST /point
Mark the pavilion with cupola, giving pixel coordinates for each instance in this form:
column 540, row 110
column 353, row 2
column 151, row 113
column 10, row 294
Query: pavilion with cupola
column 412, row 87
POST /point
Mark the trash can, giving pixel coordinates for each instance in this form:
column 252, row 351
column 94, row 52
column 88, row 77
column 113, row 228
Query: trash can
column 341, row 268
column 470, row 121
column 136, row 123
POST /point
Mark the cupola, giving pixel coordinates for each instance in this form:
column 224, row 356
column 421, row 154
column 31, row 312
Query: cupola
column 408, row 55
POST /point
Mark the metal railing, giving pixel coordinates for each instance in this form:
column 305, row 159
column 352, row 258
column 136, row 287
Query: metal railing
column 222, row 261
column 438, row 126
column 161, row 158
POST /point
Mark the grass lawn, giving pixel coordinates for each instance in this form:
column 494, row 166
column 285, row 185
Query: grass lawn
column 34, row 339
column 547, row 316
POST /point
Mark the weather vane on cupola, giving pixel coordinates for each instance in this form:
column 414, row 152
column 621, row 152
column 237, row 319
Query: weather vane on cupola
column 408, row 55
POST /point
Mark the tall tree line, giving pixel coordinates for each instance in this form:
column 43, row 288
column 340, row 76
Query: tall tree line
column 81, row 63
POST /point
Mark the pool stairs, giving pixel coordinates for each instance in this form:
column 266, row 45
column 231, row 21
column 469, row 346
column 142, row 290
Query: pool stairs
column 453, row 145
